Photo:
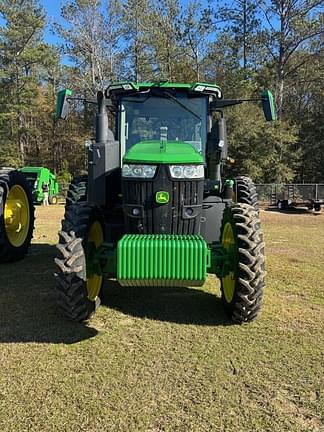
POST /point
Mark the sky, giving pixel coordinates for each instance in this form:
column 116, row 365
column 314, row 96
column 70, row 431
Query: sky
column 52, row 8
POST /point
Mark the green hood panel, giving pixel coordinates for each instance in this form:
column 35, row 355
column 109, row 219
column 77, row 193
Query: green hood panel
column 173, row 152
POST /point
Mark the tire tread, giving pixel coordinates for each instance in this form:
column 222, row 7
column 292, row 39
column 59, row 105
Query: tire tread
column 70, row 263
column 250, row 283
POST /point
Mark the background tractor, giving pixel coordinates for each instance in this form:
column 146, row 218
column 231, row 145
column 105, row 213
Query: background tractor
column 154, row 209
column 36, row 177
column 16, row 215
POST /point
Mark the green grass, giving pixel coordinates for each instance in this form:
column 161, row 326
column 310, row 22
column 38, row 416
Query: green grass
column 166, row 359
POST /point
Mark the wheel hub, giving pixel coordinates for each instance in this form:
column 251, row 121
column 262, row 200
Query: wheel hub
column 16, row 216
column 12, row 215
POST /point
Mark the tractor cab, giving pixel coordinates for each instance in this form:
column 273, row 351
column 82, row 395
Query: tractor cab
column 162, row 112
column 162, row 130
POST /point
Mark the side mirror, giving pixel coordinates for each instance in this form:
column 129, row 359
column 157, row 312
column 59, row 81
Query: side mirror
column 268, row 105
column 62, row 104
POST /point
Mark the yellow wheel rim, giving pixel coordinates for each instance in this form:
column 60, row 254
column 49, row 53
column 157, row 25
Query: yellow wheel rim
column 94, row 281
column 228, row 282
column 17, row 216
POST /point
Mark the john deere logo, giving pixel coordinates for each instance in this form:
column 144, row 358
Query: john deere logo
column 162, row 197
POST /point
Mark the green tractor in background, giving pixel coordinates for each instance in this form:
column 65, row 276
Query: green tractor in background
column 19, row 190
column 16, row 215
column 36, row 177
column 154, row 209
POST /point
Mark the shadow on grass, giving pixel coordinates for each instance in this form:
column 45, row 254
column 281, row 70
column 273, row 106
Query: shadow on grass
column 28, row 311
column 173, row 304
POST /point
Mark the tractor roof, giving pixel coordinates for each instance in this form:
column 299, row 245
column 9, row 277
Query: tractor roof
column 37, row 170
column 32, row 169
column 126, row 87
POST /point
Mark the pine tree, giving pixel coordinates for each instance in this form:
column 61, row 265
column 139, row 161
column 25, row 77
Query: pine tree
column 292, row 25
column 195, row 27
column 22, row 59
column 91, row 41
column 165, row 39
column 137, row 25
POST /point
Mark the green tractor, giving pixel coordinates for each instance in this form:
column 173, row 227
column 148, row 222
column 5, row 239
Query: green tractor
column 36, row 177
column 16, row 215
column 154, row 209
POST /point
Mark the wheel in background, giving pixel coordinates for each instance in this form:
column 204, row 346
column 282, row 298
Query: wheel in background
column 53, row 200
column 282, row 205
column 16, row 215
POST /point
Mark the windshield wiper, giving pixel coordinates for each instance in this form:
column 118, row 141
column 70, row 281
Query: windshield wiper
column 168, row 96
column 140, row 93
column 174, row 99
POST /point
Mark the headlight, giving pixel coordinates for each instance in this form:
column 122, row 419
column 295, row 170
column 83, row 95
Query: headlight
column 141, row 171
column 186, row 171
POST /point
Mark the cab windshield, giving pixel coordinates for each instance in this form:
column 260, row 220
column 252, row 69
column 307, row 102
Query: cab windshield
column 175, row 118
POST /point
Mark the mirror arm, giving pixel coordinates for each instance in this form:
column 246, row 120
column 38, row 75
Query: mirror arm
column 108, row 102
column 268, row 104
column 91, row 101
column 222, row 103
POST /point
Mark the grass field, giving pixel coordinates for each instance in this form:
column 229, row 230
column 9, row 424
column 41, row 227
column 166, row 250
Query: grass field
column 167, row 359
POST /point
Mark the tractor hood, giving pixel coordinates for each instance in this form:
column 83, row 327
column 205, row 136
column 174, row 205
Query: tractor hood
column 157, row 152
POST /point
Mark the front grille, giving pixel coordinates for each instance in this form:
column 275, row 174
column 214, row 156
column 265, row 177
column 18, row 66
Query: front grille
column 139, row 193
column 171, row 218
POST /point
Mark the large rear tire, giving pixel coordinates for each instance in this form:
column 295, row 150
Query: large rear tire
column 245, row 192
column 16, row 215
column 242, row 287
column 78, row 291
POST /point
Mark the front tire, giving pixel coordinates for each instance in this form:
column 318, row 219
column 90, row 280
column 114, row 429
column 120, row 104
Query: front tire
column 78, row 287
column 16, row 215
column 242, row 287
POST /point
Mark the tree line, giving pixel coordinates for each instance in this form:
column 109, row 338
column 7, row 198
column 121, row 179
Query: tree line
column 244, row 46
